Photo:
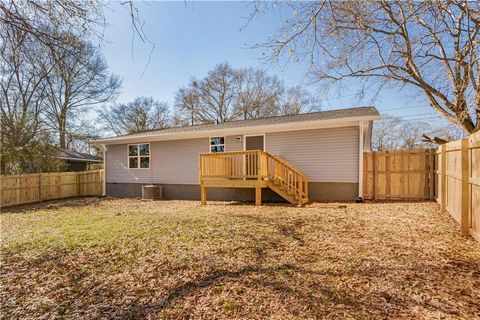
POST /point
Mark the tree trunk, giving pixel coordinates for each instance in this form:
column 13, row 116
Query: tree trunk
column 62, row 137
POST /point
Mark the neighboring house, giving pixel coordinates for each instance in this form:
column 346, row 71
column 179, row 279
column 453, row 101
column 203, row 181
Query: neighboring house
column 327, row 146
column 78, row 161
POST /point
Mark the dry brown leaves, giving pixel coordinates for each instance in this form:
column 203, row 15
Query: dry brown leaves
column 128, row 259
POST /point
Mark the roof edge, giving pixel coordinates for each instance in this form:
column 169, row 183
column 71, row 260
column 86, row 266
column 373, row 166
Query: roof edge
column 285, row 126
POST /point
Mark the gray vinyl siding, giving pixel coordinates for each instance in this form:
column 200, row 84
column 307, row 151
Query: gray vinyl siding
column 176, row 161
column 325, row 155
column 117, row 166
column 173, row 161
column 232, row 144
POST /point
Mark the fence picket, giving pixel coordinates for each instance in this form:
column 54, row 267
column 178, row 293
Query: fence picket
column 398, row 175
column 29, row 188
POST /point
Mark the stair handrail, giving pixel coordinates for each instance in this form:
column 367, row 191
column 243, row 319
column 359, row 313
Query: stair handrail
column 300, row 188
column 264, row 167
column 285, row 162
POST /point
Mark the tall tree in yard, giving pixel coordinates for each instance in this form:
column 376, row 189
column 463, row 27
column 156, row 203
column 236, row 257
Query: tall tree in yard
column 431, row 46
column 140, row 115
column 385, row 133
column 186, row 103
column 297, row 100
column 216, row 95
column 79, row 80
column 24, row 66
column 409, row 134
column 258, row 94
column 227, row 94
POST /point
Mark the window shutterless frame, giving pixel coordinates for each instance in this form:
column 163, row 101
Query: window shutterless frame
column 210, row 145
column 138, row 156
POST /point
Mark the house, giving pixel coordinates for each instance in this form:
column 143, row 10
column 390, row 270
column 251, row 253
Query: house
column 312, row 156
column 78, row 161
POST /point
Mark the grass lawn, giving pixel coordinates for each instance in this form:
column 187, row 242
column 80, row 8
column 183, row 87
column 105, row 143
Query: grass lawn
column 128, row 259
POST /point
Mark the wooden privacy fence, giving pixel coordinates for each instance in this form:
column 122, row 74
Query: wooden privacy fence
column 399, row 175
column 458, row 182
column 30, row 188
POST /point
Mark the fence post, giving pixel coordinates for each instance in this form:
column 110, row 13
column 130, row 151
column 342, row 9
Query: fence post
column 40, row 195
column 431, row 174
column 77, row 184
column 18, row 190
column 375, row 175
column 102, row 181
column 465, row 216
column 444, row 177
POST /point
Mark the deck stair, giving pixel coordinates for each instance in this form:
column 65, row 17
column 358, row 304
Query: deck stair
column 252, row 169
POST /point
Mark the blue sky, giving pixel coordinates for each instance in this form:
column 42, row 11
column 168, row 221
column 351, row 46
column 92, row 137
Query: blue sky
column 191, row 38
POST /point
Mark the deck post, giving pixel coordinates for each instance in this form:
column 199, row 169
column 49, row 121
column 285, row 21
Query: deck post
column 300, row 190
column 258, row 196
column 203, row 195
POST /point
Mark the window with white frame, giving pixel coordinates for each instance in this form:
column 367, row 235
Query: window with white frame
column 139, row 156
column 217, row 144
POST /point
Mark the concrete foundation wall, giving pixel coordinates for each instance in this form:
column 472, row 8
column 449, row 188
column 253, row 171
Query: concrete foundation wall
column 318, row 191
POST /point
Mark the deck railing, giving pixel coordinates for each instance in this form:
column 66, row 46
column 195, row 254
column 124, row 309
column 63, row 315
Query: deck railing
column 287, row 176
column 230, row 165
column 254, row 164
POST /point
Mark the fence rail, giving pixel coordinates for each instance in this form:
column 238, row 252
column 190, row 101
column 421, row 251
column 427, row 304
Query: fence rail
column 38, row 187
column 458, row 182
column 399, row 175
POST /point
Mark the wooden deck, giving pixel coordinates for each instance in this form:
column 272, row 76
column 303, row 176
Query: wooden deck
column 252, row 169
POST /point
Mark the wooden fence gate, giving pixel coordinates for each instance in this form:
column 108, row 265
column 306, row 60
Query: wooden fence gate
column 399, row 175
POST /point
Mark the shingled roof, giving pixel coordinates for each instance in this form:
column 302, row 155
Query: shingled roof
column 321, row 115
column 72, row 155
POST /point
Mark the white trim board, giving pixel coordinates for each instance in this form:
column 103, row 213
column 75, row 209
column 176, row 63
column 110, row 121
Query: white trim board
column 139, row 156
column 224, row 143
column 361, row 129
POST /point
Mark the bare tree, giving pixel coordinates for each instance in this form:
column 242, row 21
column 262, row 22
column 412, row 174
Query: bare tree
column 385, row 133
column 392, row 133
column 186, row 102
column 297, row 100
column 227, row 94
column 432, row 46
column 214, row 96
column 410, row 135
column 140, row 115
column 258, row 94
column 49, row 22
column 23, row 69
column 39, row 41
column 78, row 81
